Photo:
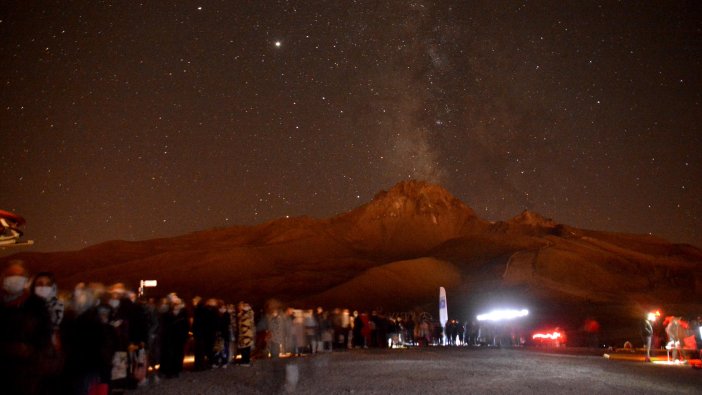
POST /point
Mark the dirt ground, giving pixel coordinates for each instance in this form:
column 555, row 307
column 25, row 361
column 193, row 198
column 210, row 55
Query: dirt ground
column 441, row 370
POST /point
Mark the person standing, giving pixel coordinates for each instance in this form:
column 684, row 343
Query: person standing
column 357, row 331
column 276, row 328
column 224, row 335
column 697, row 329
column 326, row 332
column 673, row 330
column 175, row 326
column 245, row 332
column 311, row 330
column 125, row 320
column 647, row 333
column 44, row 286
column 204, row 332
column 88, row 342
column 29, row 358
column 288, row 338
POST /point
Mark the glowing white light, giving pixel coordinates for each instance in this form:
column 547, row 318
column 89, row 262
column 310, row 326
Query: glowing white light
column 278, row 44
column 505, row 314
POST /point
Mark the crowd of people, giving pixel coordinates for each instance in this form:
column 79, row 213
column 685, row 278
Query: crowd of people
column 286, row 331
column 684, row 336
column 101, row 339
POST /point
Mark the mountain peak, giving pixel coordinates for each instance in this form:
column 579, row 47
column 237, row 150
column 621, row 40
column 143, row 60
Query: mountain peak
column 411, row 218
column 419, row 197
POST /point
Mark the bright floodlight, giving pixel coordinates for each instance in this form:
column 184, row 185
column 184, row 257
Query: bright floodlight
column 504, row 314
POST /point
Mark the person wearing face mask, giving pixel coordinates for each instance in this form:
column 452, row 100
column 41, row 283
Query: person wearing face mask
column 28, row 356
column 14, row 284
column 44, row 286
column 129, row 320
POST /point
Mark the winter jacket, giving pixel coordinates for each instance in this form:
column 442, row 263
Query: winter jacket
column 245, row 327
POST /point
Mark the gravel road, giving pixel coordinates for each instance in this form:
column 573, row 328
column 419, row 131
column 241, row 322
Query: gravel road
column 437, row 370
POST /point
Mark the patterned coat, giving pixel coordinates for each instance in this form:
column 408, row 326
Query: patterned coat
column 245, row 326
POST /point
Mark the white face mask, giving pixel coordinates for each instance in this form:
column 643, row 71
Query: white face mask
column 45, row 292
column 14, row 284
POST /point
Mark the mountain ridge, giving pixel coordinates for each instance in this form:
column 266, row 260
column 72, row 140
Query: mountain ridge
column 383, row 244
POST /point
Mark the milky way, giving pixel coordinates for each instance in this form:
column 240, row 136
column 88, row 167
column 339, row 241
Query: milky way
column 132, row 121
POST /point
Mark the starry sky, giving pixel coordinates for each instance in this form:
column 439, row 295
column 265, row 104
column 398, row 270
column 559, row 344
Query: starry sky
column 128, row 120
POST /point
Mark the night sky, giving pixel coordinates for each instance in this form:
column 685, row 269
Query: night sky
column 128, row 120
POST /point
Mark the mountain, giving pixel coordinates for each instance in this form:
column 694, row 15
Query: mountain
column 395, row 252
